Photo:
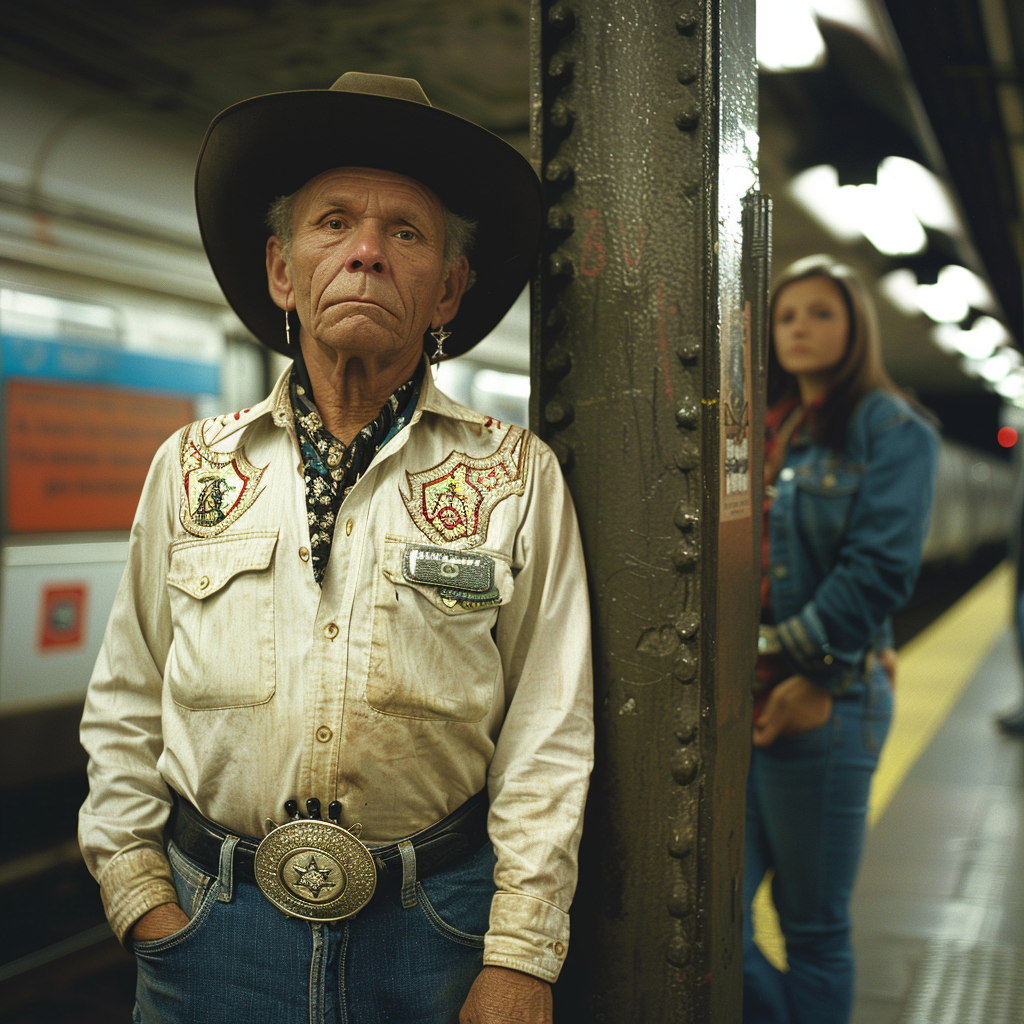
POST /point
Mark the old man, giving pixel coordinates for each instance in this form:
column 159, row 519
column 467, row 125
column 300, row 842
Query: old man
column 340, row 726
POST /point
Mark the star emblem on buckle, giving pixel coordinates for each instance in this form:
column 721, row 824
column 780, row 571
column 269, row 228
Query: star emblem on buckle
column 312, row 877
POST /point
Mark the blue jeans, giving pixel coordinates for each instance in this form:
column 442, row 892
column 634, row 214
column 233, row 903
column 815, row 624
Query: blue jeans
column 241, row 959
column 807, row 799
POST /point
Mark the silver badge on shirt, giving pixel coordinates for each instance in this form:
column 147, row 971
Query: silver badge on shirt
column 461, row 577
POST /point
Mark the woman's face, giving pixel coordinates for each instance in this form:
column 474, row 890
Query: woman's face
column 810, row 329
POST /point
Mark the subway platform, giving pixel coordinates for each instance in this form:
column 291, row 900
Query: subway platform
column 938, row 910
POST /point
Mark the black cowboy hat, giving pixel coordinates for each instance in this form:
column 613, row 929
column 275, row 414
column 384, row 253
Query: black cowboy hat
column 271, row 145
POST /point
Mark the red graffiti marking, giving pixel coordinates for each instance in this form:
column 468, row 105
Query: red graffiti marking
column 592, row 253
column 663, row 340
column 631, row 260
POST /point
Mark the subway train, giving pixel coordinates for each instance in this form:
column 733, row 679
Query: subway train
column 113, row 333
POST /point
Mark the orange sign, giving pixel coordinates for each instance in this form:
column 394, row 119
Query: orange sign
column 62, row 622
column 77, row 456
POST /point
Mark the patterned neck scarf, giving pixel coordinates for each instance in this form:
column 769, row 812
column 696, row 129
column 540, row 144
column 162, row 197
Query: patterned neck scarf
column 330, row 469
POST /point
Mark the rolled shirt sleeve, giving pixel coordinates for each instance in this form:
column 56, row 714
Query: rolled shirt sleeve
column 121, row 823
column 539, row 774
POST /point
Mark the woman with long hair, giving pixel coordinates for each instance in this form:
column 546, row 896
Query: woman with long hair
column 849, row 470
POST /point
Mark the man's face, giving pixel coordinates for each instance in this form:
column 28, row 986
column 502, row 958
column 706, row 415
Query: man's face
column 367, row 261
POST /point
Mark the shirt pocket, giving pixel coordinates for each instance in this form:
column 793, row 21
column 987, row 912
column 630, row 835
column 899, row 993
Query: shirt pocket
column 433, row 657
column 826, row 497
column 221, row 593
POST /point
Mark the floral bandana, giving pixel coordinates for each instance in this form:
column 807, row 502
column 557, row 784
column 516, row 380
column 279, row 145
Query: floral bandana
column 330, row 469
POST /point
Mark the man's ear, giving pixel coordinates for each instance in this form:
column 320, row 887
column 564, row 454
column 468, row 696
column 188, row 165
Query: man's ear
column 279, row 277
column 454, row 287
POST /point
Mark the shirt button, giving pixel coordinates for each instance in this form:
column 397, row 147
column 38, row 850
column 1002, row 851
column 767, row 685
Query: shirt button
column 559, row 949
column 348, row 528
column 828, row 480
column 787, row 473
column 323, row 734
column 331, row 630
column 304, row 554
column 301, row 468
column 780, row 571
column 204, row 582
column 827, row 659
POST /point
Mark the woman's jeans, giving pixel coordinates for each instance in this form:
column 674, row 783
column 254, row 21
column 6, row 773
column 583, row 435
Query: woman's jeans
column 807, row 799
column 240, row 959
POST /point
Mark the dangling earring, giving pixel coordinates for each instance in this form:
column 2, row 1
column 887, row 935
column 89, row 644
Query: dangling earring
column 439, row 336
column 287, row 330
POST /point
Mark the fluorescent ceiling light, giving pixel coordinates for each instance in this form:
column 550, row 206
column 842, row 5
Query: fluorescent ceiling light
column 1011, row 386
column 996, row 367
column 787, row 36
column 943, row 305
column 973, row 288
column 956, row 291
column 978, row 344
column 887, row 220
column 878, row 212
column 817, row 191
column 925, row 193
column 900, row 288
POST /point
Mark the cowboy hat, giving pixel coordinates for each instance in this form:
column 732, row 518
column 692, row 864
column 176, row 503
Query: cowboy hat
column 271, row 145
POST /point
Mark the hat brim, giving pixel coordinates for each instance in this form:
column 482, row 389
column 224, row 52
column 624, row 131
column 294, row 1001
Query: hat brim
column 271, row 145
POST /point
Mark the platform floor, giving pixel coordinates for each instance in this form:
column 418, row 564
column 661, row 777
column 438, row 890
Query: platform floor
column 939, row 906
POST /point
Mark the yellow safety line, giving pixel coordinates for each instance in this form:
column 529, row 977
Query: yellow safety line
column 933, row 670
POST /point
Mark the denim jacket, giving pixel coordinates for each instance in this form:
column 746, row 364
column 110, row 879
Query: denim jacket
column 845, row 533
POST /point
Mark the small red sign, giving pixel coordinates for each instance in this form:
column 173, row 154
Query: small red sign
column 63, row 616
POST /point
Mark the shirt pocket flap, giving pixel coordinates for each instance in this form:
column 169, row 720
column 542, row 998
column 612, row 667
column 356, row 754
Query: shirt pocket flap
column 201, row 568
column 833, row 481
column 428, row 569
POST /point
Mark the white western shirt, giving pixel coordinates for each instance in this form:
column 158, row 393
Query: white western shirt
column 228, row 674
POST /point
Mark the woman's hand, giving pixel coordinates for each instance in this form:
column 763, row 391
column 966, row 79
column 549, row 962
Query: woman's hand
column 796, row 705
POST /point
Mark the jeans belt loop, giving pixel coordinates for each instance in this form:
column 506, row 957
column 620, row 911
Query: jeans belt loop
column 408, row 852
column 226, row 870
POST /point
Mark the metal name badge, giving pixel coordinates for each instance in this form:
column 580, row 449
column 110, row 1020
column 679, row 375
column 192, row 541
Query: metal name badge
column 458, row 571
column 315, row 870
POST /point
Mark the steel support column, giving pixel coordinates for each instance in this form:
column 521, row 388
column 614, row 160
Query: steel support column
column 646, row 384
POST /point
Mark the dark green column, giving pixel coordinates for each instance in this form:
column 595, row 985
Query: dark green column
column 647, row 308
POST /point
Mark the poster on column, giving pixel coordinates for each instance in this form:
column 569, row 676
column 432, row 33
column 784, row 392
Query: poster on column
column 734, row 444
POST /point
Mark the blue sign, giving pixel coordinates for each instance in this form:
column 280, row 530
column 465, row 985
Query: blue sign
column 94, row 364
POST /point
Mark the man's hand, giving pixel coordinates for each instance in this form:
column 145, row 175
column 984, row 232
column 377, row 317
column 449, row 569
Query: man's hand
column 158, row 923
column 503, row 996
column 796, row 705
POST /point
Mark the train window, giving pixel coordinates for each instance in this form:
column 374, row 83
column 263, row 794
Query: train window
column 27, row 314
column 497, row 393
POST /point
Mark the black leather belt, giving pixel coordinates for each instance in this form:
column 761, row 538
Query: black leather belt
column 438, row 846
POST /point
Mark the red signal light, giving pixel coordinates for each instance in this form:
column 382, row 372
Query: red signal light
column 1007, row 437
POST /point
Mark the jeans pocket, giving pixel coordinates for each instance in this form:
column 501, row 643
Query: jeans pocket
column 457, row 902
column 443, row 927
column 197, row 894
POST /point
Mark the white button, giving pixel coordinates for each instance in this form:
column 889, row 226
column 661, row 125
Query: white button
column 331, row 630
column 304, row 554
column 204, row 582
column 323, row 734
column 787, row 473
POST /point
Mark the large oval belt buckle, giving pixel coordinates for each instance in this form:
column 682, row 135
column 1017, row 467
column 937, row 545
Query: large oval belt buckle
column 315, row 870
